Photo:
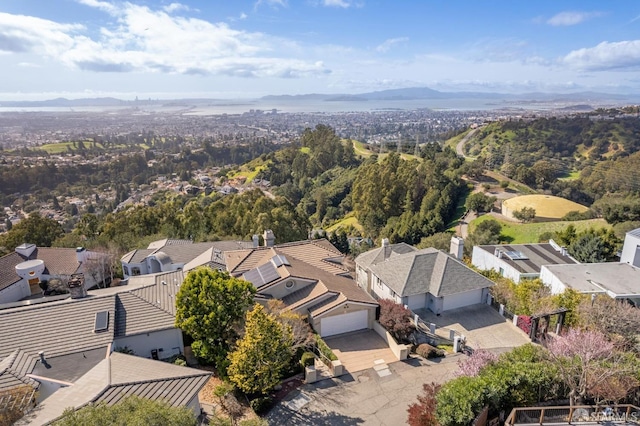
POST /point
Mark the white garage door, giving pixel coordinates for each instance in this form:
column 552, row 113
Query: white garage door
column 462, row 299
column 344, row 323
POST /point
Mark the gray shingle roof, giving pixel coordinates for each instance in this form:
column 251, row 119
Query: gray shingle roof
column 377, row 255
column 119, row 376
column 428, row 270
column 634, row 232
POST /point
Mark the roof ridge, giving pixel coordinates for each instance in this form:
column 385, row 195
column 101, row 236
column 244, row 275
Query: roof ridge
column 162, row 379
column 441, row 270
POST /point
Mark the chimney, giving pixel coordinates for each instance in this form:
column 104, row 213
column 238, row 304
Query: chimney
column 81, row 254
column 26, row 249
column 385, row 242
column 269, row 238
column 457, row 247
column 76, row 286
column 256, row 240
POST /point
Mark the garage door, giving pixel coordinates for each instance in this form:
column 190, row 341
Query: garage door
column 344, row 323
column 462, row 299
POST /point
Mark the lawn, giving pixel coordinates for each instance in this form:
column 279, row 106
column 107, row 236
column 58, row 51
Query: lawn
column 546, row 206
column 521, row 233
column 350, row 220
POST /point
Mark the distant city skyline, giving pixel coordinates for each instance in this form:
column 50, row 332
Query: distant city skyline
column 248, row 49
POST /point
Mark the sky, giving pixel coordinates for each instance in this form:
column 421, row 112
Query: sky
column 247, row 49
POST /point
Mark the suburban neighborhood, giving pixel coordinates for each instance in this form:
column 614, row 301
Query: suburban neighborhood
column 102, row 343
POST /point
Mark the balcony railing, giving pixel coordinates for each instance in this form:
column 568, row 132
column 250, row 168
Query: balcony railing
column 577, row 414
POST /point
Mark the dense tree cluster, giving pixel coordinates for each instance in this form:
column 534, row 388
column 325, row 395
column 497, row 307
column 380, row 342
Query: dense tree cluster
column 407, row 200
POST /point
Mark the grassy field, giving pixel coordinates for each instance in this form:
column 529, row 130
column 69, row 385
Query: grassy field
column 350, row 220
column 248, row 172
column 521, row 233
column 362, row 151
column 546, row 206
column 451, row 143
column 57, row 148
column 572, row 175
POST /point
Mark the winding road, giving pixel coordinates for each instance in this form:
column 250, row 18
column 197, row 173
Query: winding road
column 460, row 145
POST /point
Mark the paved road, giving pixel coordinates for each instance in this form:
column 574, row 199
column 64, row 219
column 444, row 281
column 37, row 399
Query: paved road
column 363, row 398
column 460, row 145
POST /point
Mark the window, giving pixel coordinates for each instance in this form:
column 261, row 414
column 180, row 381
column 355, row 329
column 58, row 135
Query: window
column 289, row 284
column 135, row 271
column 126, row 270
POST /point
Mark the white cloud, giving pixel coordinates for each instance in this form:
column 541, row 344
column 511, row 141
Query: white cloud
column 622, row 55
column 568, row 18
column 243, row 16
column 21, row 34
column 272, row 3
column 173, row 7
column 146, row 40
column 389, row 43
column 345, row 4
column 102, row 5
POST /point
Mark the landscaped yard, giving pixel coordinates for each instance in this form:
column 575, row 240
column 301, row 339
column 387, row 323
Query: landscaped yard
column 521, row 233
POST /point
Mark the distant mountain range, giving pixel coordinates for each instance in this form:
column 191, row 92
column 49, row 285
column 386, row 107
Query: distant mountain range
column 417, row 93
column 407, row 94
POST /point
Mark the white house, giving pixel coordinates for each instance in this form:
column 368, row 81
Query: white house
column 519, row 261
column 631, row 249
column 22, row 271
column 173, row 255
column 421, row 279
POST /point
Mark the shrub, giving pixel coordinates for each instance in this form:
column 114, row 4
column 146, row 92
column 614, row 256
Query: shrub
column 504, row 184
column 324, row 349
column 428, row 351
column 261, row 405
column 307, row 359
column 396, row 319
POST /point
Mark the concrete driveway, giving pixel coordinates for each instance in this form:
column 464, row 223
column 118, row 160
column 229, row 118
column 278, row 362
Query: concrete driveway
column 482, row 325
column 358, row 350
column 363, row 398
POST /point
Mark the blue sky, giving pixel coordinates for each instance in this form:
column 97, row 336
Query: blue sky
column 237, row 48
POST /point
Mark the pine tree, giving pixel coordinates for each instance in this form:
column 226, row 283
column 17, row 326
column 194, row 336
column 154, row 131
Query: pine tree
column 262, row 354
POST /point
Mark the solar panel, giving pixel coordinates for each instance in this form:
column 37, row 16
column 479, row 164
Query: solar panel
column 102, row 321
column 279, row 260
column 515, row 255
column 262, row 275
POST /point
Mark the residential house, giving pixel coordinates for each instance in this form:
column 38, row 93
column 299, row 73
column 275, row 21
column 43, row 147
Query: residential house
column 631, row 248
column 618, row 280
column 118, row 376
column 309, row 277
column 22, row 271
column 56, row 341
column 421, row 279
column 520, row 261
column 171, row 255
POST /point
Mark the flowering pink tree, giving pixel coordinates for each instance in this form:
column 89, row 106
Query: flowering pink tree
column 586, row 360
column 471, row 366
